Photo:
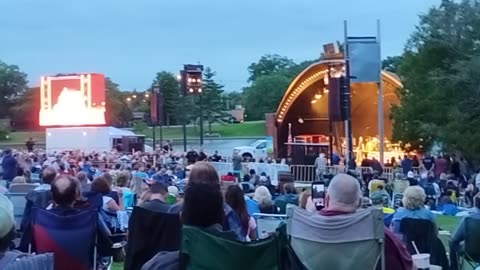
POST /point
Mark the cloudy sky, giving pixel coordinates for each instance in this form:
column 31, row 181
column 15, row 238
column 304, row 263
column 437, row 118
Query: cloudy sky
column 130, row 41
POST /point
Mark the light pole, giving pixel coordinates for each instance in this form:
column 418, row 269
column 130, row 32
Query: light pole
column 191, row 83
column 154, row 111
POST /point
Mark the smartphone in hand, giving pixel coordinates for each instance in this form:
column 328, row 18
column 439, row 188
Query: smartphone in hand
column 318, row 194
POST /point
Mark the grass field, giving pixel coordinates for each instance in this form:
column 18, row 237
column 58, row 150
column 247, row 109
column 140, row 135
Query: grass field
column 246, row 129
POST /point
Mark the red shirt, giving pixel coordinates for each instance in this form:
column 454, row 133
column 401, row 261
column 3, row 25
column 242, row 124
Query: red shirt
column 397, row 256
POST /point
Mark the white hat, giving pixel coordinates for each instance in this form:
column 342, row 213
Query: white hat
column 7, row 220
column 410, row 174
column 173, row 190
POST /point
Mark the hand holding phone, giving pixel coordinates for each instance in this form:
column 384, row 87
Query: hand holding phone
column 318, row 194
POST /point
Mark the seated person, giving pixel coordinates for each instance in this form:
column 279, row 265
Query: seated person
column 246, row 183
column 100, row 185
column 157, row 199
column 288, row 197
column 343, row 197
column 65, row 194
column 378, row 200
column 460, row 234
column 229, row 177
column 383, row 193
column 203, row 207
column 264, row 200
column 234, row 198
column 413, row 207
column 446, row 205
column 39, row 197
column 204, row 173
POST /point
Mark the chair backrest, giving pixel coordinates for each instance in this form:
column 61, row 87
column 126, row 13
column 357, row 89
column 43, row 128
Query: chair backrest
column 70, row 237
column 472, row 240
column 317, row 239
column 204, row 250
column 21, row 188
column 268, row 223
column 35, row 177
column 18, row 200
column 150, row 232
column 36, row 262
column 421, row 231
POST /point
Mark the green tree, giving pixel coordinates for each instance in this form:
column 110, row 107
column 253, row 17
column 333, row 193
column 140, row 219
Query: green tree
column 212, row 107
column 392, row 63
column 13, row 83
column 264, row 95
column 170, row 89
column 25, row 110
column 118, row 111
column 269, row 64
column 232, row 99
column 438, row 102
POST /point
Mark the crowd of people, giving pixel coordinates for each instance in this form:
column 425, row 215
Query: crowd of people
column 189, row 191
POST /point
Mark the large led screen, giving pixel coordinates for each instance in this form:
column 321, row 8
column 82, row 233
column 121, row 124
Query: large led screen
column 72, row 100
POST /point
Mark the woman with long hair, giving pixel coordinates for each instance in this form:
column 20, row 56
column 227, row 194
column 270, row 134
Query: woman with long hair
column 235, row 199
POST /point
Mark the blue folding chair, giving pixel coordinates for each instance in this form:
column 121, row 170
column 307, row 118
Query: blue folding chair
column 70, row 237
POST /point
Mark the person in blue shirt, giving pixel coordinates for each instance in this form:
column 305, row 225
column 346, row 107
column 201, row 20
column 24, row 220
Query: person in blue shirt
column 413, row 207
column 9, row 166
column 406, row 164
column 335, row 159
column 460, row 234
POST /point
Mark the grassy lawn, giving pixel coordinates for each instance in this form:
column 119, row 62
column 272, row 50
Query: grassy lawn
column 447, row 223
column 246, row 129
column 117, row 266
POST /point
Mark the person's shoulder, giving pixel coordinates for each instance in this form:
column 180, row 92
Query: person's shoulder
column 402, row 211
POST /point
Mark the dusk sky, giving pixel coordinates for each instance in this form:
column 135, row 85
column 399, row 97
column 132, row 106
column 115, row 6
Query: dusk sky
column 130, row 41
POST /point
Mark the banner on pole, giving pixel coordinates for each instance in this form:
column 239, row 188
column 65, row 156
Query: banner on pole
column 364, row 57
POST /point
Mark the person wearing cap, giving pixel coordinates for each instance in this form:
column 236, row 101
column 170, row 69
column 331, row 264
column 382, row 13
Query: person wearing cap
column 381, row 192
column 411, row 179
column 158, row 189
column 378, row 200
column 7, row 224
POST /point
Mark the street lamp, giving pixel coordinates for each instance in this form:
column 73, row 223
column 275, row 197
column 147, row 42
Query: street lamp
column 154, row 113
column 191, row 82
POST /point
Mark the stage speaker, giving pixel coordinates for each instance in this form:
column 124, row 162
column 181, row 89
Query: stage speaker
column 334, row 102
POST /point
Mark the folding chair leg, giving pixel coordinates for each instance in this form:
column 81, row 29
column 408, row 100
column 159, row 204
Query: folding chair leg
column 95, row 254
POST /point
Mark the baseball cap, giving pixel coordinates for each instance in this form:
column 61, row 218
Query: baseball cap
column 376, row 197
column 7, row 220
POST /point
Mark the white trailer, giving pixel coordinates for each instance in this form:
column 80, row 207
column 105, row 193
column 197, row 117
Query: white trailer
column 83, row 138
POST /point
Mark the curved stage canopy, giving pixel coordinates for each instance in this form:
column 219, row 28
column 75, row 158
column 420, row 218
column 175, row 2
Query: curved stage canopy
column 308, row 115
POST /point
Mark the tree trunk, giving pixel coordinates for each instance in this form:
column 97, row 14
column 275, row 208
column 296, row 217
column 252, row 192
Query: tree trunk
column 209, row 125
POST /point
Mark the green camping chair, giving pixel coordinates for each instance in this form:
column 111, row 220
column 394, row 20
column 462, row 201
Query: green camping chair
column 352, row 241
column 203, row 250
column 471, row 253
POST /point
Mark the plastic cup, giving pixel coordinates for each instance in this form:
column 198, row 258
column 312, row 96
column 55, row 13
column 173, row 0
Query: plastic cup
column 421, row 261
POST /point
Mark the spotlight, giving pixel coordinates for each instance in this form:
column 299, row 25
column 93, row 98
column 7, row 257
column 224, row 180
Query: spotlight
column 318, row 96
column 313, row 101
column 300, row 120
